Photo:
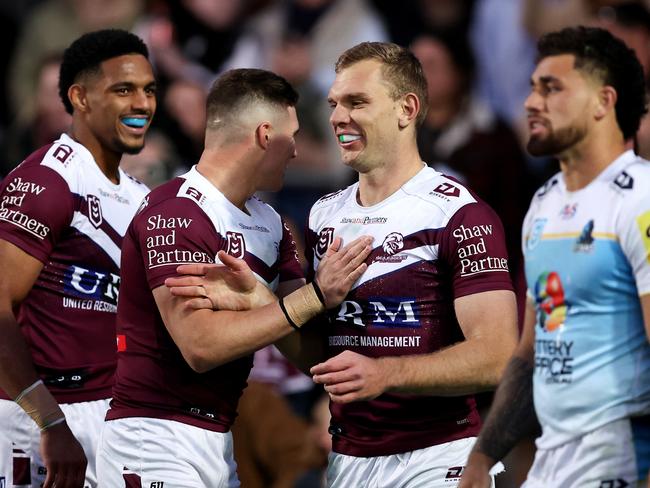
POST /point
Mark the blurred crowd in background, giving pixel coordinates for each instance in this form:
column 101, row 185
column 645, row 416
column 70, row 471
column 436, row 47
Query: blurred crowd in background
column 477, row 55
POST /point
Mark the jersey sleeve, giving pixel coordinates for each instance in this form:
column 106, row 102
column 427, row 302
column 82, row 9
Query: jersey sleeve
column 290, row 268
column 36, row 207
column 634, row 235
column 311, row 240
column 172, row 233
column 474, row 248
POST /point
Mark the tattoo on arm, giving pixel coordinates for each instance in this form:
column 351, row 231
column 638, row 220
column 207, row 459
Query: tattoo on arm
column 512, row 416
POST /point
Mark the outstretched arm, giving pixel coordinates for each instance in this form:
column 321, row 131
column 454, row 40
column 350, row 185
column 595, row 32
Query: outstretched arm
column 62, row 454
column 208, row 338
column 512, row 416
column 488, row 321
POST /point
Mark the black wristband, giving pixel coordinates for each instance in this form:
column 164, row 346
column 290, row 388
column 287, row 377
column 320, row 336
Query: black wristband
column 286, row 314
column 319, row 293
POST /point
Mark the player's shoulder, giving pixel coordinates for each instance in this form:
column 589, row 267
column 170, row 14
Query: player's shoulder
column 331, row 203
column 441, row 191
column 550, row 187
column 630, row 177
column 335, row 199
column 259, row 207
column 68, row 158
column 171, row 198
column 32, row 176
column 132, row 184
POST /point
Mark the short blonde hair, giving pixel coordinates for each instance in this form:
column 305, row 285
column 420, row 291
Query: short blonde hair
column 401, row 69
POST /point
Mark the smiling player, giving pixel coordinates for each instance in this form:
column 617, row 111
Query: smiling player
column 63, row 213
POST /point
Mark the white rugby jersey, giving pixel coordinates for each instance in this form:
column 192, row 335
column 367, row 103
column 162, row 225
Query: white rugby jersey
column 587, row 261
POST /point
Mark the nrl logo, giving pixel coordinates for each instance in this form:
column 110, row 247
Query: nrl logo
column 325, row 239
column 236, row 246
column 94, row 211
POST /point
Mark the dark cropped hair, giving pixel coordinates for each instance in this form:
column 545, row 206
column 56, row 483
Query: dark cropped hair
column 237, row 88
column 85, row 55
column 600, row 54
column 401, row 69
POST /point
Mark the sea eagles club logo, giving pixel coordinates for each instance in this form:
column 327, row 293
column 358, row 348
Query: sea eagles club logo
column 393, row 243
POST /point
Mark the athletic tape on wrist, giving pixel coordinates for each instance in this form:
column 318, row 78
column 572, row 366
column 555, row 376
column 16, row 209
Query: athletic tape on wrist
column 319, row 292
column 302, row 305
column 27, row 390
column 40, row 405
column 286, row 314
column 53, row 423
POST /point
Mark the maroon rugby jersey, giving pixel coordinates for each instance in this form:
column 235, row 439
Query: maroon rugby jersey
column 187, row 221
column 61, row 209
column 434, row 242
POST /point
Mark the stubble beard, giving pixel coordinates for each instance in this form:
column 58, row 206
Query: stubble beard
column 556, row 142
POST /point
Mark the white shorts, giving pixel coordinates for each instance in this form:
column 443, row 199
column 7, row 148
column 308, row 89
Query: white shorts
column 617, row 454
column 149, row 452
column 20, row 438
column 432, row 467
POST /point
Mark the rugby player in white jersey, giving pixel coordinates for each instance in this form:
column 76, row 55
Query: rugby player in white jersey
column 582, row 366
column 63, row 213
column 432, row 320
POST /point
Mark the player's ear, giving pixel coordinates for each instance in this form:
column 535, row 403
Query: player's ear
column 409, row 110
column 606, row 102
column 263, row 134
column 78, row 97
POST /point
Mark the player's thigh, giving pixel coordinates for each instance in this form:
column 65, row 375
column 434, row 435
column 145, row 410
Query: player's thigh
column 86, row 420
column 152, row 452
column 20, row 460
